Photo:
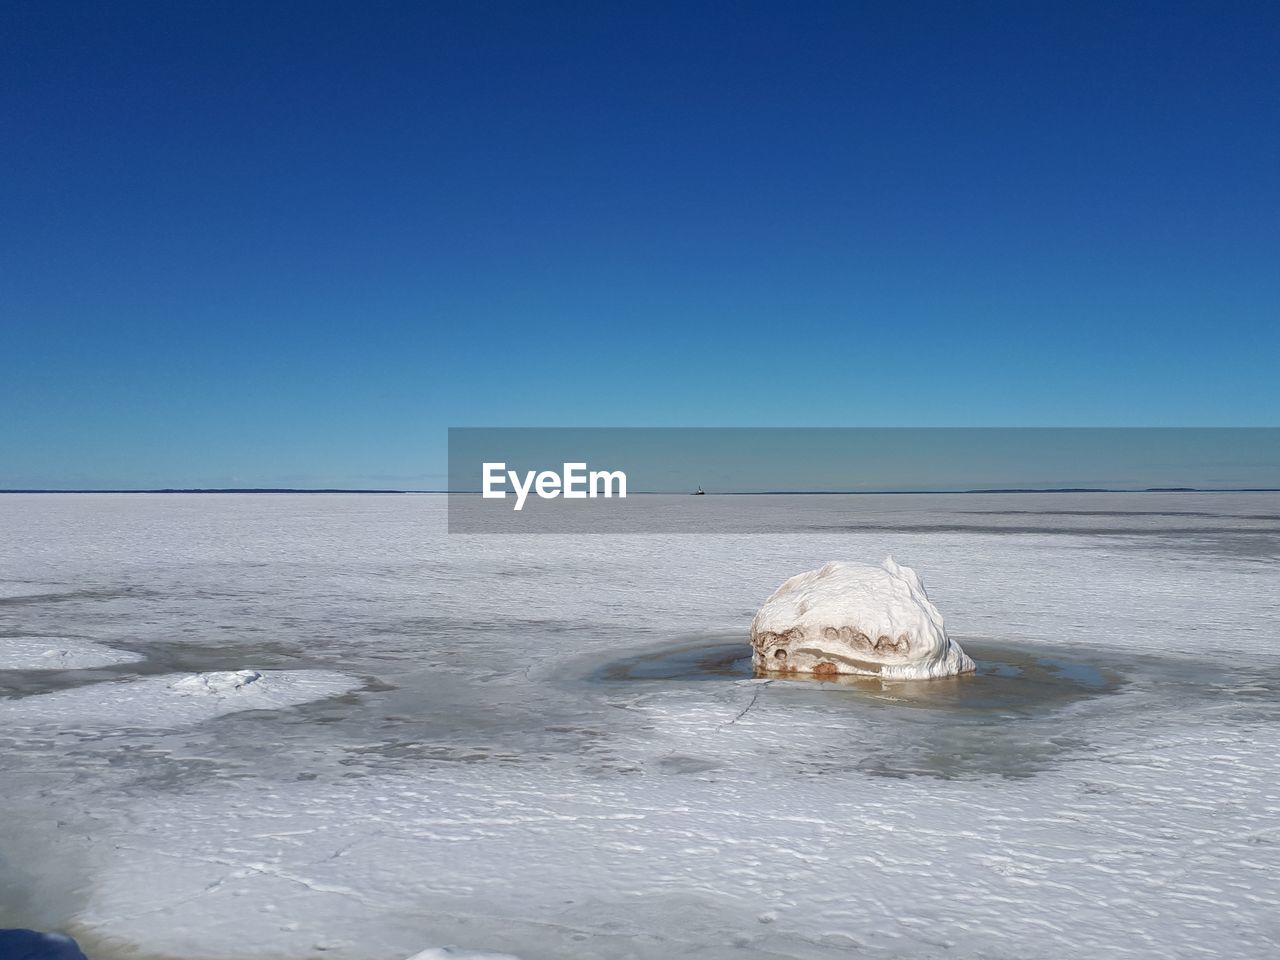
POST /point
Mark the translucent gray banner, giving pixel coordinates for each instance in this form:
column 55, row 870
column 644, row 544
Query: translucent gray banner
column 743, row 480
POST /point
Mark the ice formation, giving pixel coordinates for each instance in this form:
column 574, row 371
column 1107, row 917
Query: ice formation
column 855, row 619
column 58, row 653
column 227, row 681
column 172, row 702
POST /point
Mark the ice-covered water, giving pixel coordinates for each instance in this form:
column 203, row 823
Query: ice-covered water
column 554, row 748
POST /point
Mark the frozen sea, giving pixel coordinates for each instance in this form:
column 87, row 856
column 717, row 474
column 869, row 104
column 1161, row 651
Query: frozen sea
column 551, row 747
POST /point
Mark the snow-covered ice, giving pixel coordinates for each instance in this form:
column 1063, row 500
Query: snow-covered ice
column 59, row 653
column 1107, row 783
column 169, row 701
column 856, row 619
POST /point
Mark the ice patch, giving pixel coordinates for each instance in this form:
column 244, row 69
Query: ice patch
column 453, row 953
column 858, row 620
column 169, row 702
column 58, row 653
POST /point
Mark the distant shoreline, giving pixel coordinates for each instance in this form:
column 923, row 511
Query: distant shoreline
column 219, row 490
column 652, row 493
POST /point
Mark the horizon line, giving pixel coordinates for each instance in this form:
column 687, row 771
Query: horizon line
column 649, row 493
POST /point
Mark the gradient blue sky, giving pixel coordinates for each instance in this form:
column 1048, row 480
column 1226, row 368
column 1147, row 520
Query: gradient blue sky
column 289, row 244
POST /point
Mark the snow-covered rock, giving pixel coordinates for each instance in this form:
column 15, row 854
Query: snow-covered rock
column 855, row 619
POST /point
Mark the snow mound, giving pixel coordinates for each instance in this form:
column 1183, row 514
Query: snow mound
column 855, row 619
column 216, row 683
column 169, row 702
column 59, row 653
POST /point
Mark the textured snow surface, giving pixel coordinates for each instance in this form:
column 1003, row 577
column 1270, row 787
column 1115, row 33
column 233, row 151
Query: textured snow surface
column 853, row 618
column 1107, row 784
column 58, row 653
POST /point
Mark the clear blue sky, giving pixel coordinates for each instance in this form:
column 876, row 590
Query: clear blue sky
column 289, row 244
